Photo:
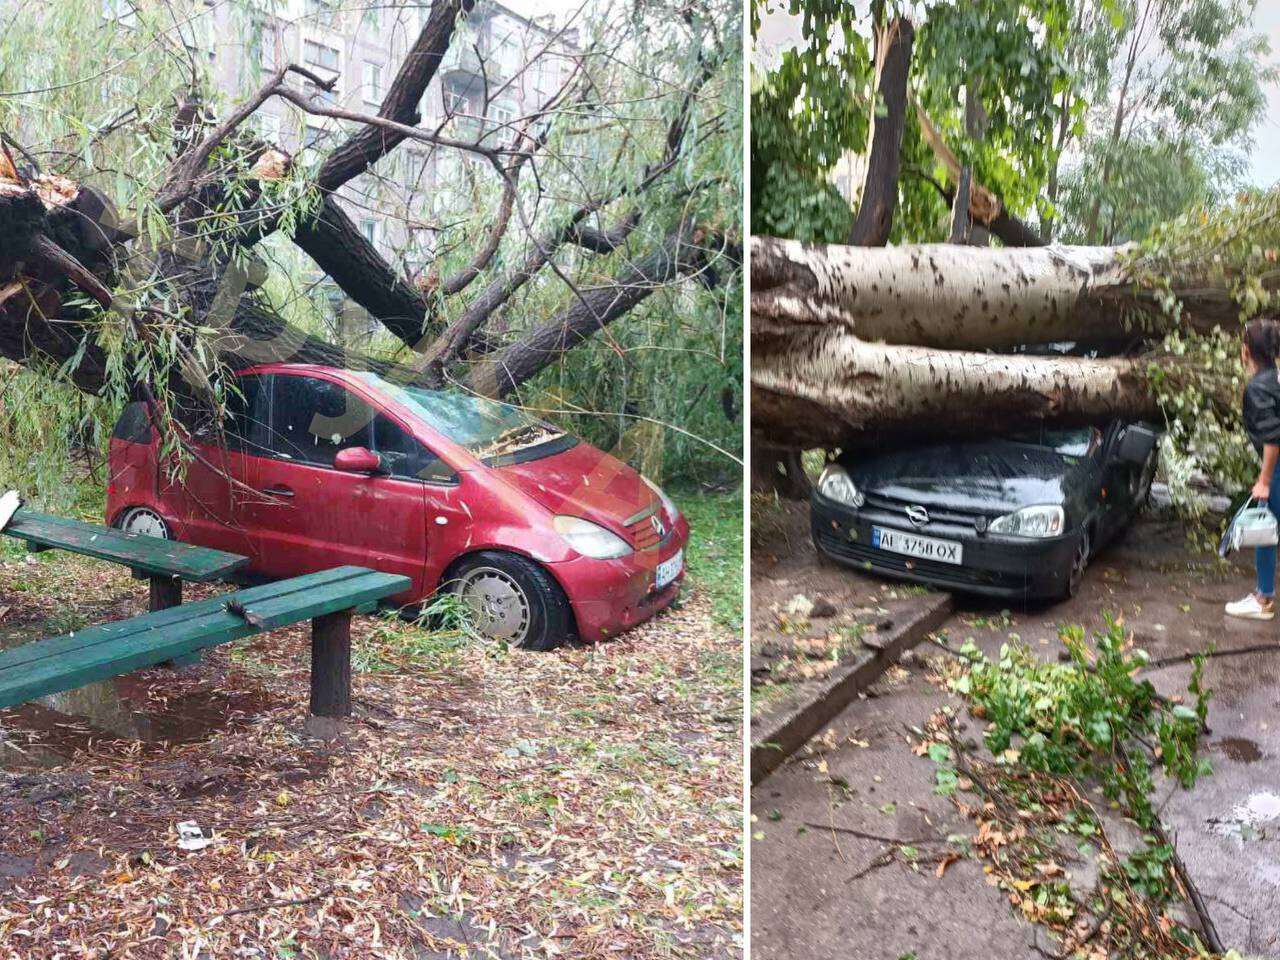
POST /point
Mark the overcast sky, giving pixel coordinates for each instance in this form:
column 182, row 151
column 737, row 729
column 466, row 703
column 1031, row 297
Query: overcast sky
column 1265, row 158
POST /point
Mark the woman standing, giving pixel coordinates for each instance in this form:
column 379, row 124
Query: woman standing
column 1261, row 344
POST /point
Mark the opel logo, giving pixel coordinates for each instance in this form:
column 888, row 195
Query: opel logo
column 657, row 525
column 918, row 516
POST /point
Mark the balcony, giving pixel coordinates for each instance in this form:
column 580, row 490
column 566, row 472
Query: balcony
column 462, row 66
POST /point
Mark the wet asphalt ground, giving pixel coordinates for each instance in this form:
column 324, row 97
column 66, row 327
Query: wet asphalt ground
column 825, row 894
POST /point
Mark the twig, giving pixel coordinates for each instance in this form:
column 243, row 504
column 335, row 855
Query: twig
column 1207, row 926
column 273, row 904
column 1162, row 662
column 896, row 841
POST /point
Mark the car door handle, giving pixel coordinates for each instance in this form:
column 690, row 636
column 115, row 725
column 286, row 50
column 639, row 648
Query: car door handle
column 279, row 491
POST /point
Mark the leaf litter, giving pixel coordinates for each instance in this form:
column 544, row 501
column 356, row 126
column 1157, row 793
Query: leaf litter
column 484, row 802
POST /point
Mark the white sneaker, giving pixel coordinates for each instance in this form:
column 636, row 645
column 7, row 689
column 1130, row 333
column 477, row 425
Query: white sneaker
column 1252, row 607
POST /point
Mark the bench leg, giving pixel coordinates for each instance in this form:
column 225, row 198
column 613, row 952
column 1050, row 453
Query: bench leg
column 166, row 592
column 331, row 665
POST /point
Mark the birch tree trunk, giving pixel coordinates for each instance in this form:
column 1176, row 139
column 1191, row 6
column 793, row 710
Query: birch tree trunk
column 967, row 298
column 822, row 387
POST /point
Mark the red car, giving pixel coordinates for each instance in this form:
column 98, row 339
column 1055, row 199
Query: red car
column 545, row 537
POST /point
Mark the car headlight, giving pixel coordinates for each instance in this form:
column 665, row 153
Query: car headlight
column 836, row 485
column 668, row 504
column 591, row 539
column 1044, row 520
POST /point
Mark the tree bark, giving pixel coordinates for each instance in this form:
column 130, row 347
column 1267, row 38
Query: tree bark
column 938, row 295
column 338, row 247
column 880, row 188
column 828, row 388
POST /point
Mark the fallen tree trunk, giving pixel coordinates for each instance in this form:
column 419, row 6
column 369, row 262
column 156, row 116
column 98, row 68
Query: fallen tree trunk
column 51, row 243
column 968, row 298
column 825, row 387
column 938, row 295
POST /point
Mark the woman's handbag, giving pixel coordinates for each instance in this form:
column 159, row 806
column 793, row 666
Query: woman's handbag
column 1250, row 527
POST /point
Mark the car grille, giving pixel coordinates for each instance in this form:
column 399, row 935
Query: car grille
column 964, row 518
column 940, row 573
column 642, row 533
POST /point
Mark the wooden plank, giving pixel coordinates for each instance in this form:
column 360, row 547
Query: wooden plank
column 174, row 620
column 148, row 555
column 102, row 652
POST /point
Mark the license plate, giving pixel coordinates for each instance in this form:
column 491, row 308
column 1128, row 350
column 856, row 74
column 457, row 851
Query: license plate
column 911, row 545
column 668, row 570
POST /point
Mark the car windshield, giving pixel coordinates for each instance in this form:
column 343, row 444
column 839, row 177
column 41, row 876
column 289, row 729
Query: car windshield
column 1069, row 443
column 487, row 428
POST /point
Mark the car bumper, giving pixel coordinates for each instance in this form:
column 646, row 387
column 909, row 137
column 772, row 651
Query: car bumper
column 610, row 596
column 1003, row 567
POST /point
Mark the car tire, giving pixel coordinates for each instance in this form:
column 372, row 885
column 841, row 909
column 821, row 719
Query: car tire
column 1078, row 564
column 144, row 521
column 515, row 600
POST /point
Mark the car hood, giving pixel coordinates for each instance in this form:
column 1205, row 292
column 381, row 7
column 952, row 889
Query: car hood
column 988, row 477
column 583, row 481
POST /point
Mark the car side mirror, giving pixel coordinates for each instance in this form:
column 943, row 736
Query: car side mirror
column 1136, row 444
column 358, row 460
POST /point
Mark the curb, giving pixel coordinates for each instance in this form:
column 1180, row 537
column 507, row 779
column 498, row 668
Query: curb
column 787, row 732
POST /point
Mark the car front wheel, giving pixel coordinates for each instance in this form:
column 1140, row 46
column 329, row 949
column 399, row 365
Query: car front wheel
column 1079, row 563
column 514, row 600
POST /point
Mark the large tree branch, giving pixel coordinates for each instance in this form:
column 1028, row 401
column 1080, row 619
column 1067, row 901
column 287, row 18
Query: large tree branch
column 684, row 253
column 400, row 105
column 575, row 229
column 338, row 247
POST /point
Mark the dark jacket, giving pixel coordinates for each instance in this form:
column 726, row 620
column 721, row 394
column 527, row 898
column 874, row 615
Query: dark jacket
column 1262, row 409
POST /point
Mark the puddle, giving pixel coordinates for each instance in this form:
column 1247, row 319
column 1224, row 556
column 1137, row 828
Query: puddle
column 1240, row 749
column 1250, row 820
column 151, row 706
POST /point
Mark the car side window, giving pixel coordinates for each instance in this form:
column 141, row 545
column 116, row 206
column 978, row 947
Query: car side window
column 134, row 424
column 405, row 456
column 246, row 405
column 312, row 419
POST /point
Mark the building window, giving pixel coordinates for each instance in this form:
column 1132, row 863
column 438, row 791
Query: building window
column 262, row 47
column 370, row 230
column 501, row 113
column 312, row 136
column 416, row 166
column 321, row 57
column 454, row 102
column 323, row 60
column 372, row 83
column 319, row 9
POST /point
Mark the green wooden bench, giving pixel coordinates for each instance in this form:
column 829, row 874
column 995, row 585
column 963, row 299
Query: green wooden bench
column 166, row 563
column 327, row 599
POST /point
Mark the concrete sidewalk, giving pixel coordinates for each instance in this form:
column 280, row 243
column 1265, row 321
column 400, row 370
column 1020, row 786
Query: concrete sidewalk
column 812, row 894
